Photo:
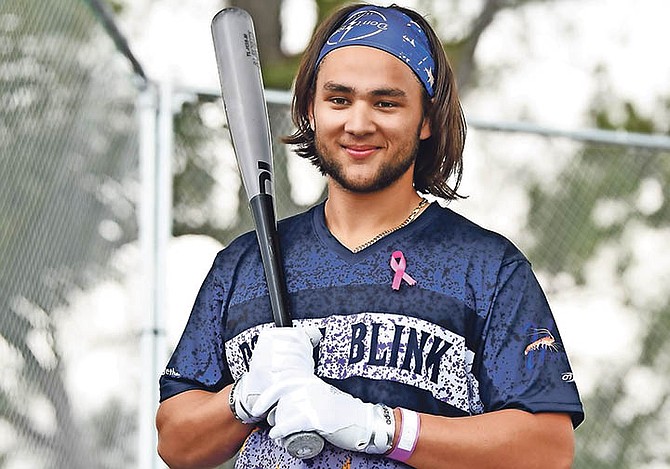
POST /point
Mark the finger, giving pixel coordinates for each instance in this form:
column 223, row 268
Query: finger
column 314, row 334
column 285, row 338
column 271, row 416
column 274, row 392
column 288, row 423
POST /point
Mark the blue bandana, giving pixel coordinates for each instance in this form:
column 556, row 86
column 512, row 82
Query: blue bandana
column 389, row 30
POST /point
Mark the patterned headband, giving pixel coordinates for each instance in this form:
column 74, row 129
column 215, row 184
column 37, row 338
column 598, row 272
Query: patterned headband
column 389, row 30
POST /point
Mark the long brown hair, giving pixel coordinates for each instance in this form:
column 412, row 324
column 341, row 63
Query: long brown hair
column 440, row 156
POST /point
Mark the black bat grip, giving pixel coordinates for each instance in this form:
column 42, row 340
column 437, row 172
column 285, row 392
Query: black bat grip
column 303, row 445
column 262, row 210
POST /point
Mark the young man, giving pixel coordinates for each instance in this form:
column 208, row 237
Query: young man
column 434, row 343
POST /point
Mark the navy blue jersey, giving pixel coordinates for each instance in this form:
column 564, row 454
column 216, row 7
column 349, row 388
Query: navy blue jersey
column 466, row 330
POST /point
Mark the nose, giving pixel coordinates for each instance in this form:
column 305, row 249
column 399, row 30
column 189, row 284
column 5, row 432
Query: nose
column 359, row 119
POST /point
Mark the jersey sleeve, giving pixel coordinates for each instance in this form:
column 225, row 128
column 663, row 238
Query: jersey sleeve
column 523, row 362
column 198, row 361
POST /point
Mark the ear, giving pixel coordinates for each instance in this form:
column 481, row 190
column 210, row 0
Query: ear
column 425, row 131
column 310, row 115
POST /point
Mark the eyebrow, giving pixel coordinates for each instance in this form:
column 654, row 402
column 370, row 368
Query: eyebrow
column 340, row 88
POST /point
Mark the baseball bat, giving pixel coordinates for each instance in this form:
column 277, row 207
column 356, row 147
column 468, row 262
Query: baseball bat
column 246, row 112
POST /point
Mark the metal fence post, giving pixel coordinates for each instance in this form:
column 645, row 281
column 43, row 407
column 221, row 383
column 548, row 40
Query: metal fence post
column 156, row 145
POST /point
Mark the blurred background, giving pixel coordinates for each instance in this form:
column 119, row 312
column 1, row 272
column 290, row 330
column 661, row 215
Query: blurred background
column 118, row 185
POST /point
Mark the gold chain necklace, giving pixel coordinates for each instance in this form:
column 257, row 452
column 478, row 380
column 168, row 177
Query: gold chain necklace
column 412, row 216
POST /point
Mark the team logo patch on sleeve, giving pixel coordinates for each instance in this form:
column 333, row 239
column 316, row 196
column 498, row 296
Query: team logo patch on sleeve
column 541, row 343
column 543, row 340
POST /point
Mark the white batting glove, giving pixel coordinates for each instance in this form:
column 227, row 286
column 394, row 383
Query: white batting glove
column 281, row 355
column 343, row 420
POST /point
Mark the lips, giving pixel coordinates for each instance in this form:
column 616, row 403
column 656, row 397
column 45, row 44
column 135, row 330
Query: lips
column 360, row 152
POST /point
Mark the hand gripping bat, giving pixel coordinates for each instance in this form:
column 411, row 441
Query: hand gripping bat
column 246, row 111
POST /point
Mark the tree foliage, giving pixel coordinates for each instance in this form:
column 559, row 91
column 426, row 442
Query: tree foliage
column 571, row 224
column 64, row 146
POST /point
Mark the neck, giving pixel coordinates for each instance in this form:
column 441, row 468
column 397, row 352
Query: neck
column 356, row 218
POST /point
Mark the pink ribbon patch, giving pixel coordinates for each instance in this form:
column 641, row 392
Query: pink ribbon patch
column 398, row 267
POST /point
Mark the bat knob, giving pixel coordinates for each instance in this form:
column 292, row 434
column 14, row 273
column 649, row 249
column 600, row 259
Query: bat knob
column 304, row 445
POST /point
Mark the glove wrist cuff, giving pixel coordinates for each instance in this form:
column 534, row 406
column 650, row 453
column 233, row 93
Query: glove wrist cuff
column 383, row 430
column 236, row 407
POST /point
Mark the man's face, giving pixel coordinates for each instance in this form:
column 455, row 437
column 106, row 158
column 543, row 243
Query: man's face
column 368, row 118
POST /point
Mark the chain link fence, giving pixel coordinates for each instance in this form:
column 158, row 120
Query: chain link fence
column 590, row 209
column 592, row 212
column 68, row 159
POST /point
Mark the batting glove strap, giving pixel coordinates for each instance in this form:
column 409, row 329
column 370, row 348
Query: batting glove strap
column 383, row 430
column 236, row 407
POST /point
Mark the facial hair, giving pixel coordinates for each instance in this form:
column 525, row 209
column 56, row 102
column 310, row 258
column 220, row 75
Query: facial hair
column 392, row 169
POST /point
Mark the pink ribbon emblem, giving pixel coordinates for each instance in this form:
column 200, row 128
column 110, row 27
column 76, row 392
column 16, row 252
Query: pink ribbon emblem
column 398, row 267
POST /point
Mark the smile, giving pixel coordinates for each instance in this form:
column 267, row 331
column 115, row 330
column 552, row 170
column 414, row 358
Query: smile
column 360, row 151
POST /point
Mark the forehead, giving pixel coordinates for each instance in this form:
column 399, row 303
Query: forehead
column 365, row 67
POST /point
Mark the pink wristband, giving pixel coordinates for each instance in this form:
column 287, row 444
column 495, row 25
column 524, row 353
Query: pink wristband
column 410, row 423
